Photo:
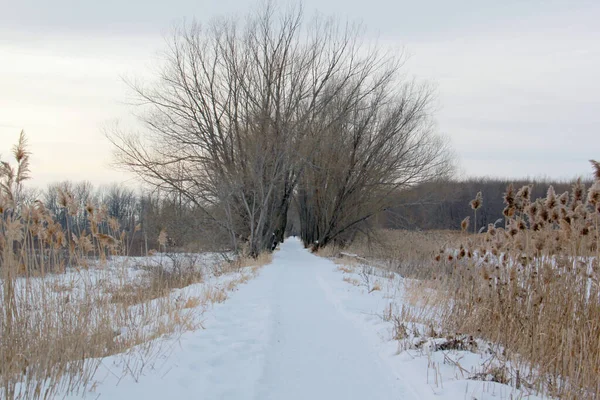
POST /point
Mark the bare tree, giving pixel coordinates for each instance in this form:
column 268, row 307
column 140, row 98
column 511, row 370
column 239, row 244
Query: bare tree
column 242, row 112
column 381, row 144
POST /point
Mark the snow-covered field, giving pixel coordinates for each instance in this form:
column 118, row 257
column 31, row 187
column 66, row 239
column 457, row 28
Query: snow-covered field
column 300, row 331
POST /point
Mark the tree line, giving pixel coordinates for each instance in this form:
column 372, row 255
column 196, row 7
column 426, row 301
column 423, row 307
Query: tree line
column 443, row 204
column 142, row 214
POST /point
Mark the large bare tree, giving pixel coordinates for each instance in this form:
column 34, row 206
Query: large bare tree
column 382, row 144
column 243, row 111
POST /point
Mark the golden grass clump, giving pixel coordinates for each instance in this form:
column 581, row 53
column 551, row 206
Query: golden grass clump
column 407, row 252
column 533, row 289
column 58, row 319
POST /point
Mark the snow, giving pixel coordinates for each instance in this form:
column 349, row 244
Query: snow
column 298, row 331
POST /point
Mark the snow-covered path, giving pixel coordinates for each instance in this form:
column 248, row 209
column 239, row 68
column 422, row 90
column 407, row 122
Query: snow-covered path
column 315, row 351
column 280, row 336
column 297, row 331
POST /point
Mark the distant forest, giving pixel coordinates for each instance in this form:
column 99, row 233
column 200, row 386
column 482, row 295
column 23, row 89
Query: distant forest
column 444, row 204
column 436, row 205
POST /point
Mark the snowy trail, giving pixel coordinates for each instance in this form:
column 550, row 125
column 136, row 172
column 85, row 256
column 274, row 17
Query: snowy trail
column 280, row 336
column 316, row 352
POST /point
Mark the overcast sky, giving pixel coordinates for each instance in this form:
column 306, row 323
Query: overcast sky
column 518, row 80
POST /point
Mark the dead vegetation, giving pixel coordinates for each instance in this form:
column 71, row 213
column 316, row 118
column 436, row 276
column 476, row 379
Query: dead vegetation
column 70, row 296
column 406, row 252
column 530, row 286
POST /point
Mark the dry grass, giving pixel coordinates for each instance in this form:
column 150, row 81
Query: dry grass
column 407, row 252
column 214, row 295
column 262, row 260
column 241, row 262
column 192, row 302
column 376, row 287
column 65, row 304
column 351, row 281
column 531, row 287
column 345, row 269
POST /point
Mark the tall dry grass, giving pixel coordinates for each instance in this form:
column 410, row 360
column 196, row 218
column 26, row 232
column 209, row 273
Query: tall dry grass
column 532, row 287
column 529, row 285
column 408, row 253
column 58, row 318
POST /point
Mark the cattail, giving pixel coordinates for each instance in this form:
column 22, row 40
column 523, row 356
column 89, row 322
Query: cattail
column 102, row 213
column 106, row 239
column 485, row 274
column 20, row 149
column 596, row 166
column 532, row 210
column 577, row 194
column 162, row 238
column 63, row 198
column 73, row 208
column 90, row 208
column 565, row 226
column 14, row 230
column 509, row 196
column 543, row 214
column 462, row 253
column 540, row 243
column 509, row 211
column 580, row 212
column 524, row 193
column 555, row 214
column 5, row 203
column 551, row 200
column 59, row 239
column 563, row 212
column 114, row 224
column 594, row 193
column 464, row 224
column 538, row 300
column 564, row 198
column 513, row 274
column 477, row 201
column 84, row 243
